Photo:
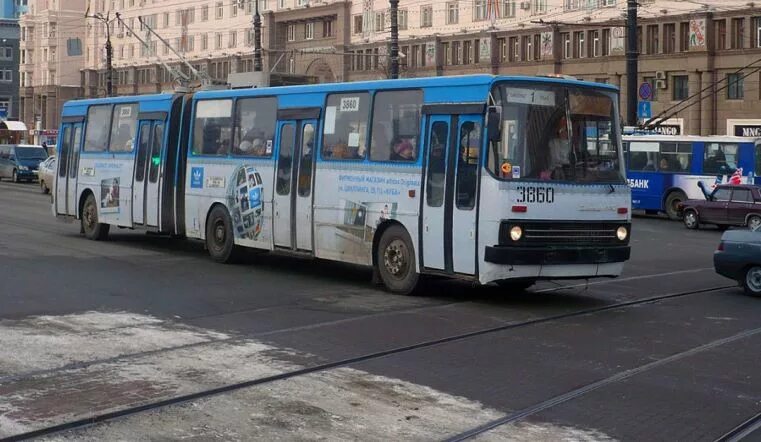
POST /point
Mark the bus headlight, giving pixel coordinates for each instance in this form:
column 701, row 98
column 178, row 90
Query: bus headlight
column 516, row 233
column 622, row 233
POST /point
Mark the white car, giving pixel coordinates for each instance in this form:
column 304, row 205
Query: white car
column 46, row 174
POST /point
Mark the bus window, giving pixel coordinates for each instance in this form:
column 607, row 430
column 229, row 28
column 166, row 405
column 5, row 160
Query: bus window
column 96, row 133
column 675, row 157
column 437, row 157
column 467, row 164
column 305, row 167
column 285, row 159
column 212, row 127
column 142, row 151
column 720, row 158
column 757, row 162
column 643, row 156
column 155, row 159
column 345, row 129
column 254, row 126
column 123, row 128
column 396, row 119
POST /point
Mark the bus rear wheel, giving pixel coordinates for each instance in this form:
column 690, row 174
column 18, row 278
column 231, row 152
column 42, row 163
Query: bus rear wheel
column 91, row 226
column 219, row 236
column 395, row 261
column 672, row 203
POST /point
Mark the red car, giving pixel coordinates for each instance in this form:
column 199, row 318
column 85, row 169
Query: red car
column 727, row 205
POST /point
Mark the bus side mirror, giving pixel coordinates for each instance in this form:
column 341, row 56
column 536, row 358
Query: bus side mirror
column 494, row 123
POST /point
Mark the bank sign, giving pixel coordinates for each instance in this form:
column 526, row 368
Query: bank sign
column 668, row 129
column 748, row 131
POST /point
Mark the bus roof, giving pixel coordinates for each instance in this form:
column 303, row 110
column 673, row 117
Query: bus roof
column 152, row 102
column 691, row 138
column 481, row 80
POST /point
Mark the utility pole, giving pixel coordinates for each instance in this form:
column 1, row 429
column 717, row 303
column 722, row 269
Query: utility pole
column 257, row 38
column 394, row 38
column 109, row 50
column 632, row 55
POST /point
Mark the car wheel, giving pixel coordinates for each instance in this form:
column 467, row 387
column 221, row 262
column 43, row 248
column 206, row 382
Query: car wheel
column 15, row 176
column 91, row 226
column 395, row 261
column 691, row 220
column 754, row 222
column 219, row 236
column 672, row 203
column 752, row 281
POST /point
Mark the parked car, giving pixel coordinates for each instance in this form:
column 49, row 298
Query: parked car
column 739, row 257
column 20, row 161
column 46, row 175
column 728, row 205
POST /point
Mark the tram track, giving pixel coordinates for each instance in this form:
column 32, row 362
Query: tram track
column 743, row 430
column 180, row 399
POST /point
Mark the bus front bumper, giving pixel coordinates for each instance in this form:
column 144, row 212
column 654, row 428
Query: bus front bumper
column 510, row 255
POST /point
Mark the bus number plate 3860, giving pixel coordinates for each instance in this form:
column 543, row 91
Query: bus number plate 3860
column 530, row 194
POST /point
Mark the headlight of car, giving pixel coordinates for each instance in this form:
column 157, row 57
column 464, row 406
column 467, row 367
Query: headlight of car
column 622, row 233
column 23, row 168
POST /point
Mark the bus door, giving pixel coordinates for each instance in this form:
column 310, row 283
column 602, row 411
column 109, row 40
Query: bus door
column 68, row 165
column 292, row 217
column 449, row 207
column 146, row 178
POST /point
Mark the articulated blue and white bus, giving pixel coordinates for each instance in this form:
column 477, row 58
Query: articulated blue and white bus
column 664, row 170
column 486, row 178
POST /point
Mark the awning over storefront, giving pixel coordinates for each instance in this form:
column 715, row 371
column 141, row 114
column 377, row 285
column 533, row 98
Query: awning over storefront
column 13, row 125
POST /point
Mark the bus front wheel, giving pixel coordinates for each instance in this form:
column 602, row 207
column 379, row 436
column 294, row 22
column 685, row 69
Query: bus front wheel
column 219, row 236
column 395, row 261
column 672, row 203
column 91, row 226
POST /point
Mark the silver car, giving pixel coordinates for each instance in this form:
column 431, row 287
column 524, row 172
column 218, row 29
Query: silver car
column 46, row 175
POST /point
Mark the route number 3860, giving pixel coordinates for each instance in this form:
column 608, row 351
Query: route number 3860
column 535, row 194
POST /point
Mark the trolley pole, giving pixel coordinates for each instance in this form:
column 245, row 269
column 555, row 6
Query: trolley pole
column 632, row 56
column 394, row 71
column 109, row 61
column 257, row 38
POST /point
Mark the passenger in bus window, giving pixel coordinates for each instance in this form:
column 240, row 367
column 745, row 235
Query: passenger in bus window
column 560, row 148
column 664, row 165
column 403, row 150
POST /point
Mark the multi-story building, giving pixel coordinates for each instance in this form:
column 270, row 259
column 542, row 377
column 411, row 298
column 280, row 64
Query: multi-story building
column 51, row 57
column 12, row 9
column 686, row 47
column 9, row 67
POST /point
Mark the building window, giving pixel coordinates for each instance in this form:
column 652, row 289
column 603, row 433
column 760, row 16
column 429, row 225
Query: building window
column 204, row 42
column 684, row 37
column 508, row 8
column 447, row 54
column 735, row 87
column 595, row 44
column 738, row 33
column 721, row 34
column 401, row 19
column 527, row 44
column 426, row 16
column 327, row 28
column 467, row 52
column 669, row 38
column 6, row 75
column 218, row 42
column 232, row 39
column 380, row 21
column 566, row 39
column 539, row 6
column 652, row 39
column 681, row 87
column 309, row 31
column 757, row 35
column 220, row 11
column 479, row 10
column 204, row 12
column 453, row 13
column 291, row 32
column 605, row 42
column 456, row 52
column 357, row 24
column 502, row 46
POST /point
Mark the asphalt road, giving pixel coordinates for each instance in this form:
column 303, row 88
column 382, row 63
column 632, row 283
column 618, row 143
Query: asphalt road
column 668, row 351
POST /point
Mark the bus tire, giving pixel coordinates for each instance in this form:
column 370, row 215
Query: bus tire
column 691, row 219
column 672, row 200
column 220, row 241
column 88, row 218
column 515, row 285
column 395, row 261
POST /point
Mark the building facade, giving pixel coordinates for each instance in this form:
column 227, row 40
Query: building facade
column 9, row 68
column 51, row 59
column 687, row 48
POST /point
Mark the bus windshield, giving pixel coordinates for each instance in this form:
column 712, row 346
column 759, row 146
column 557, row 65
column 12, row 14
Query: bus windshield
column 30, row 153
column 556, row 133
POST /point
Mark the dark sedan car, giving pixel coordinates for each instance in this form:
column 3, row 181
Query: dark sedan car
column 739, row 258
column 727, row 205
